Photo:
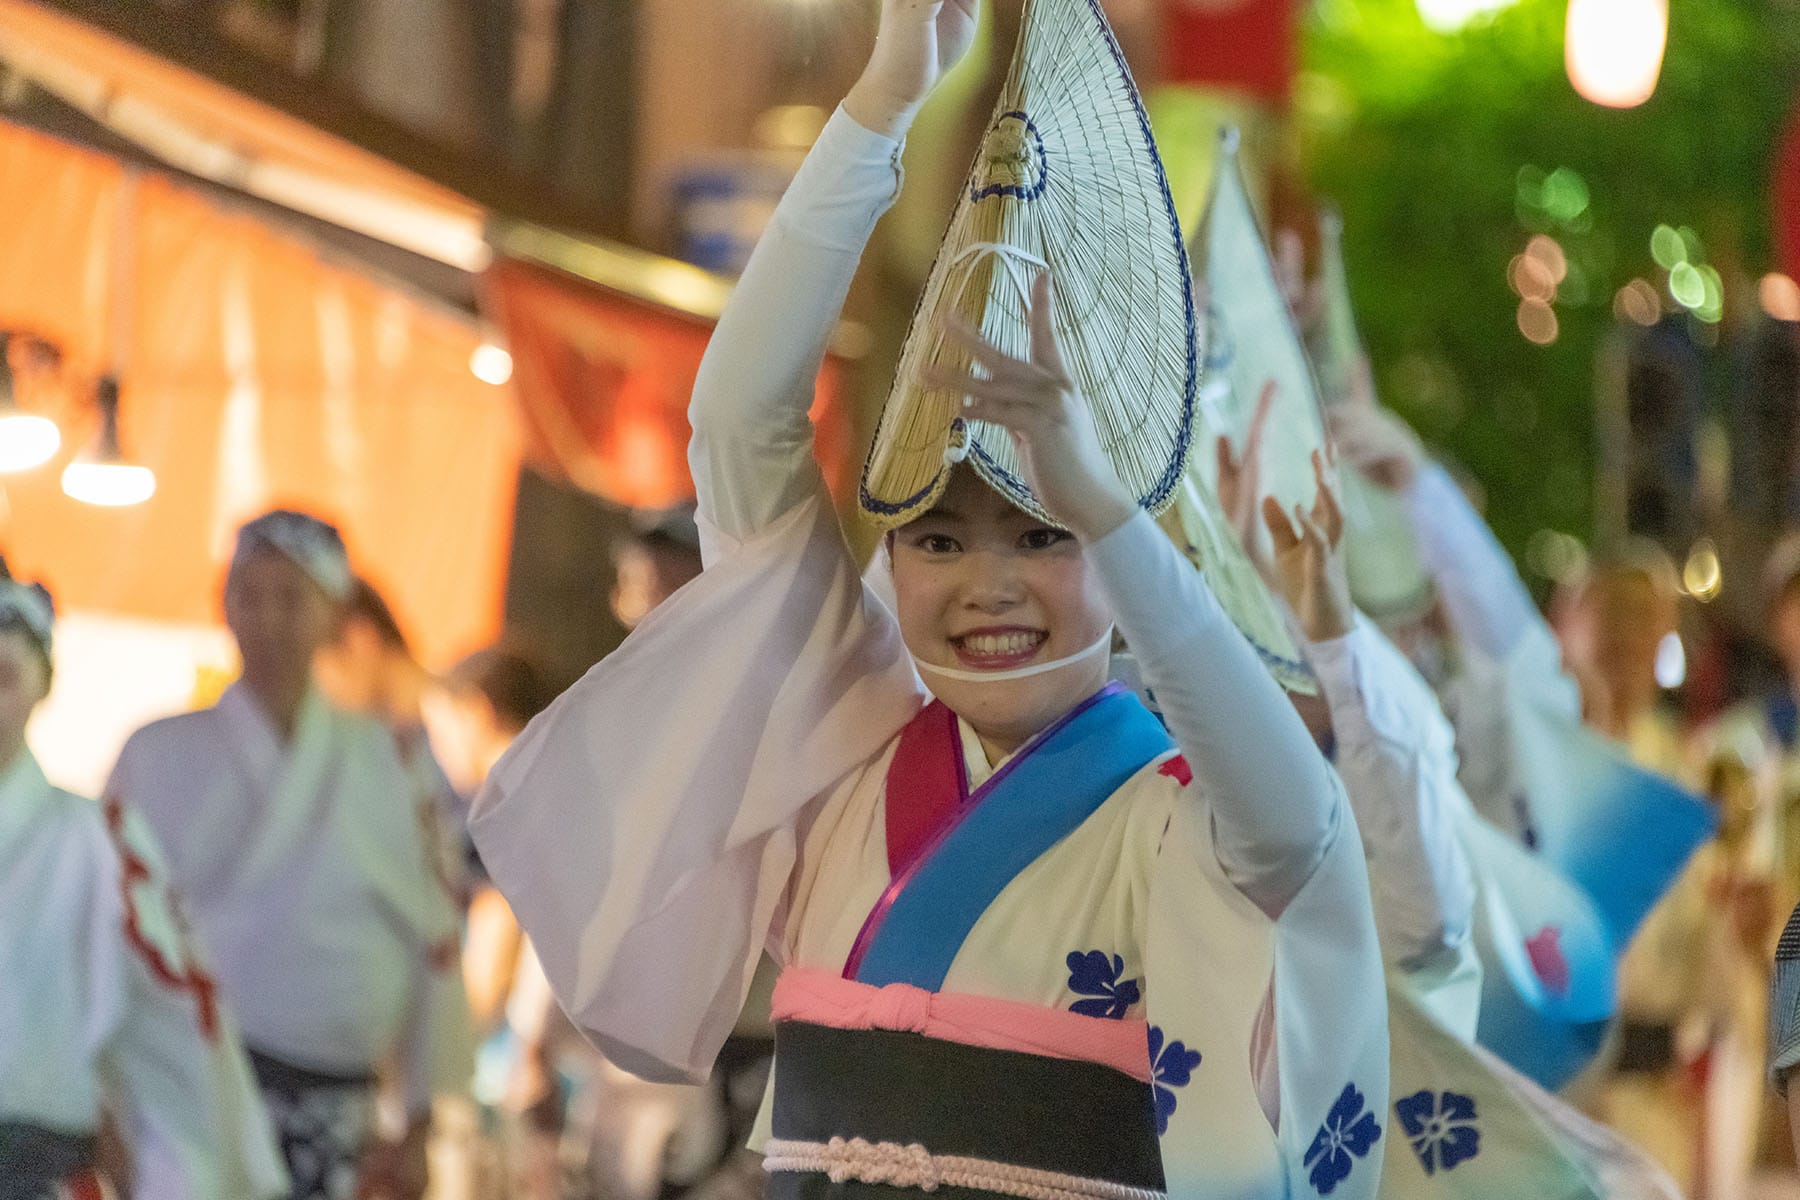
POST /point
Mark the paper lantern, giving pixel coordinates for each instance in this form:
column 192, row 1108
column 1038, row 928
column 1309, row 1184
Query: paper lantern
column 1614, row 49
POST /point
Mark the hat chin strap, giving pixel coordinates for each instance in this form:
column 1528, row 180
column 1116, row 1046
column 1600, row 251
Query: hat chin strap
column 957, row 673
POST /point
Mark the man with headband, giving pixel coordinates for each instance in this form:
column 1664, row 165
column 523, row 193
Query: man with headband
column 290, row 827
column 103, row 1001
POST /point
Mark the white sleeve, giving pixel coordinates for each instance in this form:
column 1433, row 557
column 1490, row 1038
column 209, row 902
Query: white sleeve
column 175, row 1069
column 1276, row 807
column 751, row 452
column 1395, row 755
column 644, row 826
column 1489, row 605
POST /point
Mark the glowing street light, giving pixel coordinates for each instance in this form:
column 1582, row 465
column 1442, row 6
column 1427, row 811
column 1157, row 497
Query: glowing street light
column 26, row 441
column 102, row 477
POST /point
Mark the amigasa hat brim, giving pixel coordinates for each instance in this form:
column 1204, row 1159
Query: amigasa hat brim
column 1067, row 179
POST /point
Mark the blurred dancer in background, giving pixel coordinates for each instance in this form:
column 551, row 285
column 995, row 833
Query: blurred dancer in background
column 104, row 1002
column 291, row 829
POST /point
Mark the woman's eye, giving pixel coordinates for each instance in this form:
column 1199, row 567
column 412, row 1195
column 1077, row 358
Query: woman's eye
column 936, row 543
column 1042, row 539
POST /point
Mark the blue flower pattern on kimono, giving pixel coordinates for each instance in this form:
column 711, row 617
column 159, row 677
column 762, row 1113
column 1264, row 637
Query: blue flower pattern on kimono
column 1349, row 1133
column 1171, row 1066
column 1095, row 975
column 1442, row 1128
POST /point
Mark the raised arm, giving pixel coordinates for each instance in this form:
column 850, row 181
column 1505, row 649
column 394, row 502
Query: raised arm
column 751, row 453
column 1395, row 753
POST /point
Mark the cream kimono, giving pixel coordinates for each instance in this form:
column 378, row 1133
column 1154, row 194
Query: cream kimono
column 742, row 772
column 105, row 1004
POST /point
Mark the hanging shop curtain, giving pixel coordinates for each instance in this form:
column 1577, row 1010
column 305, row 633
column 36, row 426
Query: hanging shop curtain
column 254, row 372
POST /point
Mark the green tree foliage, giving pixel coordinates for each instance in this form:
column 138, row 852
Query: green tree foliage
column 1447, row 152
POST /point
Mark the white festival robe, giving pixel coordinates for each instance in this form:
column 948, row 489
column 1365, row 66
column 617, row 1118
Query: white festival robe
column 716, row 786
column 104, row 1002
column 313, row 886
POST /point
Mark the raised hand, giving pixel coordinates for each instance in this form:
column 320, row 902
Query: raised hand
column 1377, row 443
column 1240, row 480
column 1309, row 563
column 1035, row 400
column 916, row 45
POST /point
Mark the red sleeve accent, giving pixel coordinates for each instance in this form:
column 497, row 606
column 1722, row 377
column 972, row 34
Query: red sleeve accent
column 184, row 976
column 1177, row 769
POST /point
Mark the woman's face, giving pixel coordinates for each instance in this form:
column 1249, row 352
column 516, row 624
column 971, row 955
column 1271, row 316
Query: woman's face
column 23, row 683
column 983, row 586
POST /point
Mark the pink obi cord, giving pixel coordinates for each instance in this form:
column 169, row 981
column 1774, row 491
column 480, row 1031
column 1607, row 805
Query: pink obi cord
column 825, row 998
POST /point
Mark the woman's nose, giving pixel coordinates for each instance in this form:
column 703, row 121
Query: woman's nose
column 993, row 584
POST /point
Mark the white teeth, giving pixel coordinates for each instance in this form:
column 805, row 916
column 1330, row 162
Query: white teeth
column 1002, row 643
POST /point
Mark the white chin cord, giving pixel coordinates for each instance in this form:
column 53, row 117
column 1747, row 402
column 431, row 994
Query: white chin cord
column 1103, row 646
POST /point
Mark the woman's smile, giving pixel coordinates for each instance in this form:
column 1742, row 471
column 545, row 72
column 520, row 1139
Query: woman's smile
column 998, row 647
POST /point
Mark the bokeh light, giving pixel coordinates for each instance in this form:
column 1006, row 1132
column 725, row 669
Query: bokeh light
column 1671, row 661
column 1638, row 302
column 1667, row 247
column 1702, row 576
column 1537, row 321
column 1779, row 296
column 1531, row 279
column 1687, row 285
column 1548, row 252
column 491, row 364
column 1451, row 16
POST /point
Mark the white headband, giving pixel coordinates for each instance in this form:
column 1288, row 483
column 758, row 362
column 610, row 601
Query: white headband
column 307, row 542
column 30, row 606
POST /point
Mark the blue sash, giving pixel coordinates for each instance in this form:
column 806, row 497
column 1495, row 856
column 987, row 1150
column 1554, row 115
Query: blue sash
column 1037, row 798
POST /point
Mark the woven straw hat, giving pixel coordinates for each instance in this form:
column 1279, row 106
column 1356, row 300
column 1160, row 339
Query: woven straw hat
column 1067, row 179
column 1250, row 339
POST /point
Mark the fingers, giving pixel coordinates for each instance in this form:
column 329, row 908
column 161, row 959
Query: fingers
column 1281, row 527
column 965, row 337
column 1229, row 466
column 1044, row 350
column 1327, row 513
column 1259, row 422
column 979, row 391
column 1313, row 536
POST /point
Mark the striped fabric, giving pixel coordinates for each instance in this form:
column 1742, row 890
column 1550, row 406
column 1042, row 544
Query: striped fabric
column 1784, row 1005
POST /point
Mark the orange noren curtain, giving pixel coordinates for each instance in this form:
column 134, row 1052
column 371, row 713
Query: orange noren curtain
column 253, row 372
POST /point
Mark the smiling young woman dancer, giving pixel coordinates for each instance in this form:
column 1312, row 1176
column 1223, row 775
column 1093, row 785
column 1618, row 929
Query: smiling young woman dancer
column 1028, row 936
